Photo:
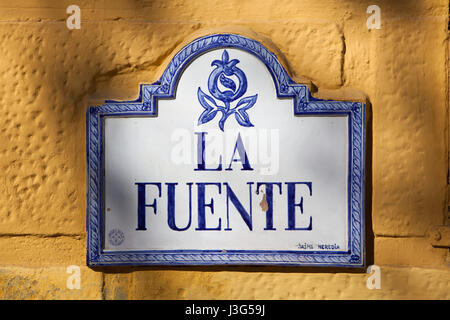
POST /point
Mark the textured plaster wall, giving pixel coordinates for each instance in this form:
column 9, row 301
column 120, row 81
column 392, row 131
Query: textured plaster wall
column 50, row 74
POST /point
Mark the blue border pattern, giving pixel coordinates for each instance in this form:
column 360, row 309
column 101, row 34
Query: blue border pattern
column 165, row 88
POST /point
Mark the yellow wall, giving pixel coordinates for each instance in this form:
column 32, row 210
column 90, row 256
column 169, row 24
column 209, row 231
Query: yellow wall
column 50, row 74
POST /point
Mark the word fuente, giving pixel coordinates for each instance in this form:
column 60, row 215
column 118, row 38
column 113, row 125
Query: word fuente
column 239, row 155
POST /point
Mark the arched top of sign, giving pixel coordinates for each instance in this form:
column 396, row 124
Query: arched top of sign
column 232, row 98
column 165, row 87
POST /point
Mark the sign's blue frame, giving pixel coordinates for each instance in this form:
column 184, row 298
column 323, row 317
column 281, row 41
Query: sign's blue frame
column 146, row 105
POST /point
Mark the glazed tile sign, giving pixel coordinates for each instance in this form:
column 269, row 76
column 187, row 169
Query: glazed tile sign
column 225, row 160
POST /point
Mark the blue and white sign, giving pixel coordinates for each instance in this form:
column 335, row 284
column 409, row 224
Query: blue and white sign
column 226, row 160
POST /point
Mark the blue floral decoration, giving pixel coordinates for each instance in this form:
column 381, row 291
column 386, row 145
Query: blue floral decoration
column 222, row 73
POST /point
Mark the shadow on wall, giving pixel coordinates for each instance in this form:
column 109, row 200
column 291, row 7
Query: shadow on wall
column 66, row 67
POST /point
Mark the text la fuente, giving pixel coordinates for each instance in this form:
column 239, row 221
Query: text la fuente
column 205, row 208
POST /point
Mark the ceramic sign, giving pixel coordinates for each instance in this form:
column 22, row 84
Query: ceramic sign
column 226, row 160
